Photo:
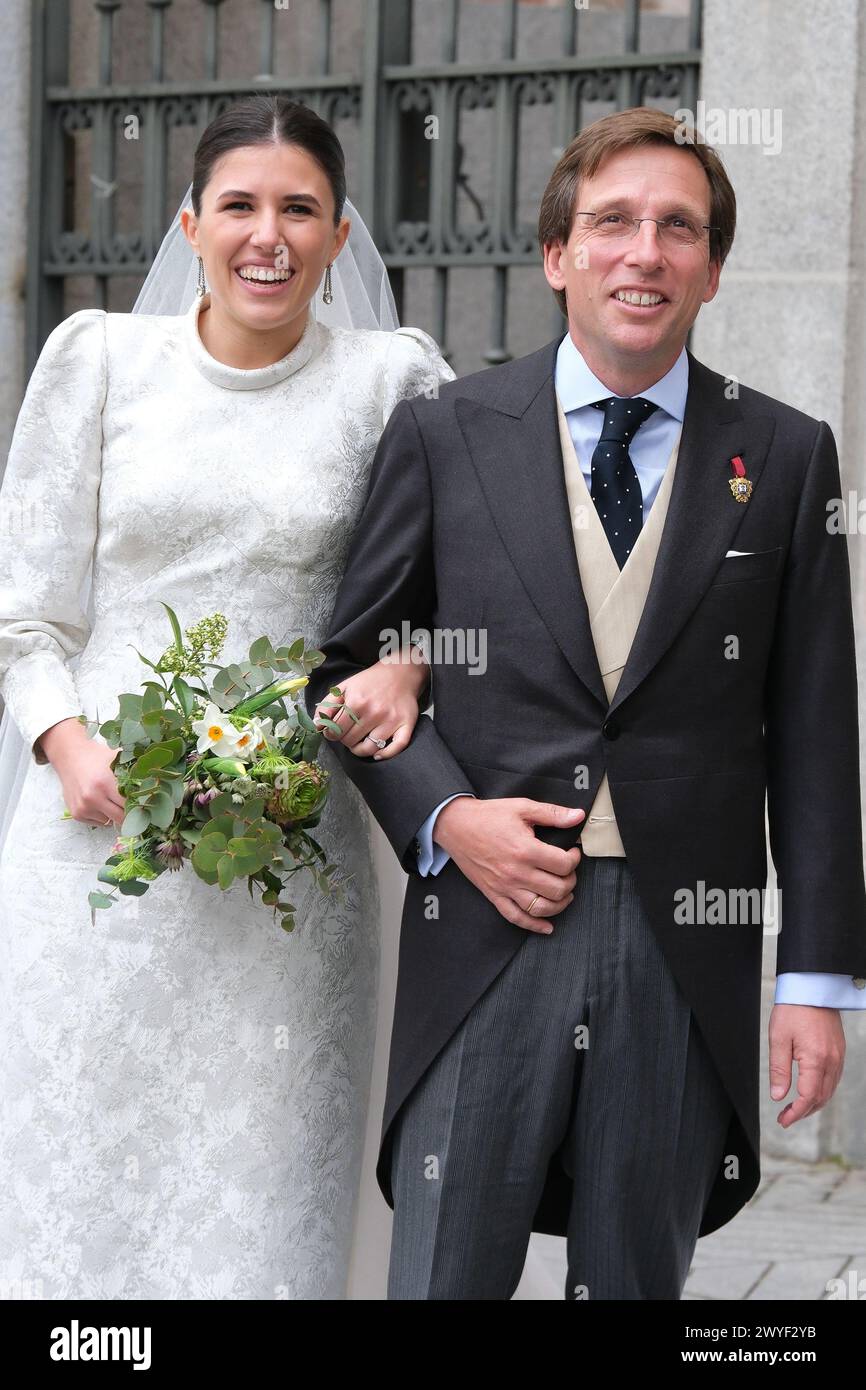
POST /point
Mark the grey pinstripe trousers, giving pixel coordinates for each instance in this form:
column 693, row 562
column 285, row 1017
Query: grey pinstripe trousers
column 583, row 1047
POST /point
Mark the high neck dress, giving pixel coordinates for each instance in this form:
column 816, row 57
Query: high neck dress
column 183, row 1086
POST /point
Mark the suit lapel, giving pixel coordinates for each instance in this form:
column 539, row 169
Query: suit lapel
column 702, row 518
column 514, row 447
column 513, row 441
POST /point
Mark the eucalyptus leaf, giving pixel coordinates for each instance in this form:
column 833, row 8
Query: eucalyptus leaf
column 99, row 899
column 241, row 845
column 213, row 841
column 153, row 698
column 225, row 872
column 261, row 651
column 225, row 701
column 222, row 825
column 161, row 808
column 160, row 755
column 243, row 867
column 238, row 676
column 133, row 887
column 135, row 822
column 129, row 706
column 132, row 732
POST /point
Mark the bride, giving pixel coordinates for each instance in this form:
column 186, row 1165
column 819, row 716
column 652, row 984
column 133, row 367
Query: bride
column 183, row 1087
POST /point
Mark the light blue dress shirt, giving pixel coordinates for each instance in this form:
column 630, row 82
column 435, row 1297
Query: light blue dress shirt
column 577, row 387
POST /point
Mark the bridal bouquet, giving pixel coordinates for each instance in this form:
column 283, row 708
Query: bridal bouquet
column 219, row 771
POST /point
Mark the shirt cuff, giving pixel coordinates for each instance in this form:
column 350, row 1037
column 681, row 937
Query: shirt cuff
column 431, row 858
column 824, row 991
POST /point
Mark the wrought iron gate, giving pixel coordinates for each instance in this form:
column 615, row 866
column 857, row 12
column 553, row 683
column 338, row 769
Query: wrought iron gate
column 442, row 151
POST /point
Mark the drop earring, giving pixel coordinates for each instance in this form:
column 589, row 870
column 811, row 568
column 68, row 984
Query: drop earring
column 201, row 287
column 327, row 296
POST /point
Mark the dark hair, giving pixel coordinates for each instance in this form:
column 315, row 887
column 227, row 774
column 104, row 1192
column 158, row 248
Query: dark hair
column 266, row 119
column 627, row 130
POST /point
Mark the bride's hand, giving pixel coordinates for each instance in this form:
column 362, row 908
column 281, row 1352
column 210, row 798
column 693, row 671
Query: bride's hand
column 84, row 767
column 385, row 697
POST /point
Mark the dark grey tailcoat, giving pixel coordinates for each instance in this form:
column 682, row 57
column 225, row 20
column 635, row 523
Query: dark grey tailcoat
column 466, row 526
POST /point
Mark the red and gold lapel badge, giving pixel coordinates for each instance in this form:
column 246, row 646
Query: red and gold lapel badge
column 740, row 485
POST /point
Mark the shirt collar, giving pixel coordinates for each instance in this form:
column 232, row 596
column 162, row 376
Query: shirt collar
column 577, row 386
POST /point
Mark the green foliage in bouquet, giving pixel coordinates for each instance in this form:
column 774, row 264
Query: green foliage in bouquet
column 206, row 776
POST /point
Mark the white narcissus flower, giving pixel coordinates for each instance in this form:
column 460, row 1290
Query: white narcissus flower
column 215, row 733
column 264, row 729
column 283, row 729
column 252, row 738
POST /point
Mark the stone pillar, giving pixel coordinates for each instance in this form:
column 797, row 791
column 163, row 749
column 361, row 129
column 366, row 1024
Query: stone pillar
column 789, row 319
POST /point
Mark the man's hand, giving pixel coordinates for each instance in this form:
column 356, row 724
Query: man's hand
column 812, row 1037
column 492, row 842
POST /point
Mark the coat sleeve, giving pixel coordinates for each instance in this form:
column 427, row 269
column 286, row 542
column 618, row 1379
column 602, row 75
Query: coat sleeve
column 813, row 783
column 389, row 580
column 48, row 518
column 414, row 367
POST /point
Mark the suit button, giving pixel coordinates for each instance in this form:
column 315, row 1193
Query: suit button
column 611, row 729
column 858, row 984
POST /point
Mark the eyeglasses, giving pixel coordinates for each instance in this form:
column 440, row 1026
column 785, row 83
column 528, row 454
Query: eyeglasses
column 675, row 230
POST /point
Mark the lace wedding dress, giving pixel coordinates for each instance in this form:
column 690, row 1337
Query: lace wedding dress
column 183, row 1087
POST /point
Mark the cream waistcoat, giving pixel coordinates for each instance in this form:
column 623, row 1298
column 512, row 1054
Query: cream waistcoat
column 615, row 600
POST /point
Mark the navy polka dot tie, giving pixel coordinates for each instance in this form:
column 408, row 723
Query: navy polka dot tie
column 615, row 488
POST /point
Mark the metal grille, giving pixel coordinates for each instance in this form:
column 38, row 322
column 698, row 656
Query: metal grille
column 452, row 114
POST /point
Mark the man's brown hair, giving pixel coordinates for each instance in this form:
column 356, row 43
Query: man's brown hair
column 624, row 130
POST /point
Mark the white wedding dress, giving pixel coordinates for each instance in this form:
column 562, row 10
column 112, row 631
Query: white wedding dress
column 183, row 1087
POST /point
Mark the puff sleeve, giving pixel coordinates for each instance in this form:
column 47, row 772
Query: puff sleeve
column 415, row 366
column 48, row 522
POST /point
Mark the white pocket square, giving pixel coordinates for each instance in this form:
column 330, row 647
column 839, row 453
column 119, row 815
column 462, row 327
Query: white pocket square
column 738, row 552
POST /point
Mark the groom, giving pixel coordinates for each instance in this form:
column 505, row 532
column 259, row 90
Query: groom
column 644, row 546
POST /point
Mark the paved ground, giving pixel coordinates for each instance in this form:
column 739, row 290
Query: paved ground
column 805, row 1225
